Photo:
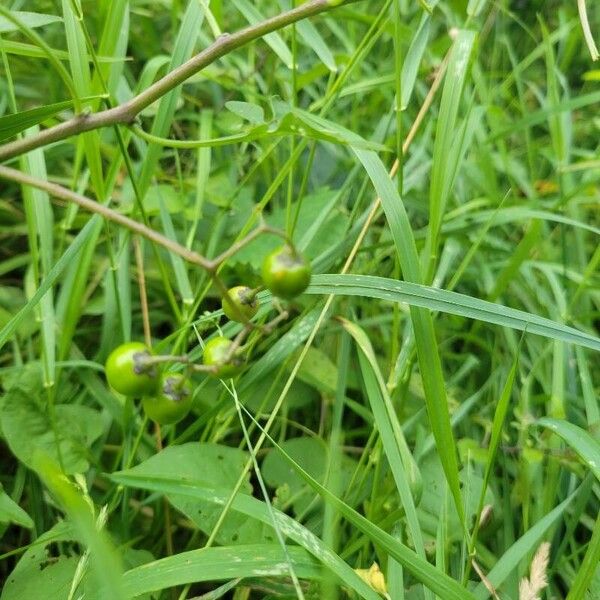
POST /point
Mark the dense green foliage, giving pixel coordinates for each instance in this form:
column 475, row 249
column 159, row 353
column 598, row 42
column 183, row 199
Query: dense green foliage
column 429, row 403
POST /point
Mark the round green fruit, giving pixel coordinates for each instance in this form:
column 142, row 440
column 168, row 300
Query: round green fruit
column 173, row 400
column 285, row 272
column 127, row 372
column 216, row 352
column 243, row 302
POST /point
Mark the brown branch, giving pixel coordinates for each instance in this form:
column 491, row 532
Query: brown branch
column 107, row 213
column 209, row 265
column 125, row 113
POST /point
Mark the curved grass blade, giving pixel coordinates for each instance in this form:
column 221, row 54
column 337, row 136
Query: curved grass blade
column 402, row 464
column 439, row 583
column 30, row 19
column 64, row 261
column 13, row 124
column 586, row 447
column 213, row 564
column 105, row 560
column 588, row 566
column 448, row 302
column 254, row 509
column 522, row 547
column 427, row 349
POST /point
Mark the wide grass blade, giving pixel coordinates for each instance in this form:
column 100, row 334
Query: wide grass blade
column 29, row 19
column 402, row 464
column 214, row 564
column 586, row 447
column 254, row 509
column 439, row 583
column 427, row 349
column 105, row 561
column 449, row 302
column 588, row 567
column 61, row 264
column 11, row 125
column 520, row 549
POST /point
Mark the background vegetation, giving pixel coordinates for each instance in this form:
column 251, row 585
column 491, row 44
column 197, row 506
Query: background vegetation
column 430, row 405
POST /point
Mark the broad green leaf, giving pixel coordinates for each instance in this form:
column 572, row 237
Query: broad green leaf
column 311, row 453
column 39, row 576
column 438, row 582
column 211, row 465
column 251, row 112
column 448, row 302
column 27, row 427
column 255, row 509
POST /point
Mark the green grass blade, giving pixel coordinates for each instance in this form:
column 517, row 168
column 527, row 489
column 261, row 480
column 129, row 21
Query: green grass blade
column 402, row 464
column 448, row 147
column 80, row 71
column 586, row 447
column 274, row 40
column 40, row 222
column 449, row 302
column 520, row 549
column 61, row 264
column 179, row 268
column 439, row 583
column 185, row 42
column 592, row 408
column 427, row 352
column 254, row 509
column 29, row 19
column 213, row 564
column 105, row 560
column 588, row 567
column 11, row 125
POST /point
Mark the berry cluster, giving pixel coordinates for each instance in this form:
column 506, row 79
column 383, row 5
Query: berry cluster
column 132, row 369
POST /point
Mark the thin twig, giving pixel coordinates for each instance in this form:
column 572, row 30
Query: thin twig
column 126, row 113
column 107, row 213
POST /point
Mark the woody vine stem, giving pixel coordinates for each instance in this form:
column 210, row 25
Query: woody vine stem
column 126, row 113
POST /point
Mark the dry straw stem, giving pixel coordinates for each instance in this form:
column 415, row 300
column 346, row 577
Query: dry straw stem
column 126, row 113
column 530, row 589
